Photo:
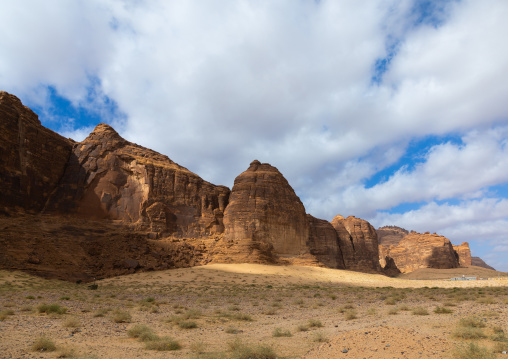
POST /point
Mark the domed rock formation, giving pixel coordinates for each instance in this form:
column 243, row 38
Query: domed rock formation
column 390, row 235
column 264, row 210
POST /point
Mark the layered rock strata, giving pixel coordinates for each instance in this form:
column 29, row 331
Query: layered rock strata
column 425, row 250
column 264, row 213
column 464, row 254
column 324, row 243
column 109, row 177
column 358, row 243
column 390, row 235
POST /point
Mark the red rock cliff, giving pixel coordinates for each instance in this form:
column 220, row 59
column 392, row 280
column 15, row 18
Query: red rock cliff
column 324, row 243
column 264, row 210
column 358, row 242
column 109, row 177
column 32, row 157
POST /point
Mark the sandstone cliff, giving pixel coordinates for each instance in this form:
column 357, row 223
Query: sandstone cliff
column 390, row 235
column 324, row 243
column 265, row 214
column 425, row 250
column 464, row 254
column 109, row 177
column 358, row 243
column 32, row 158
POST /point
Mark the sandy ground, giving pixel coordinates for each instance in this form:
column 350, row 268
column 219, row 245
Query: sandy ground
column 327, row 313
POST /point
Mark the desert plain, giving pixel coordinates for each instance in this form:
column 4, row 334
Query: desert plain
column 256, row 311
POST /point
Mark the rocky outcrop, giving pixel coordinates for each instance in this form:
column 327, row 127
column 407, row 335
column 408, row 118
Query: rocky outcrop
column 109, row 177
column 425, row 250
column 478, row 262
column 324, row 244
column 390, row 235
column 464, row 254
column 32, row 158
column 358, row 243
column 264, row 212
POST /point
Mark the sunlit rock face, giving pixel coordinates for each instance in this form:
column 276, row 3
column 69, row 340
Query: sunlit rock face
column 264, row 210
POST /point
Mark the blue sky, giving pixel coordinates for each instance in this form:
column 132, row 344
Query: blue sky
column 392, row 111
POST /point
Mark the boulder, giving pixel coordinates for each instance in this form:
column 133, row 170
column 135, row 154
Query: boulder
column 264, row 211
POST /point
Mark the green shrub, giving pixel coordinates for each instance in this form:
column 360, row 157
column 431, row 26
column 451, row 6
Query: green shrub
column 314, row 323
column 71, row 322
column 472, row 322
column 163, row 344
column 240, row 350
column 420, row 311
column 51, row 308
column 142, row 333
column 121, row 317
column 468, row 333
column 473, row 351
column 278, row 332
column 442, row 310
column 185, row 324
column 43, row 344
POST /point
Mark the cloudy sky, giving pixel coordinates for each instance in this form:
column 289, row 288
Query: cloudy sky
column 395, row 111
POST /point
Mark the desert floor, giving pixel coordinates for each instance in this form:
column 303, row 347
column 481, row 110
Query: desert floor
column 256, row 311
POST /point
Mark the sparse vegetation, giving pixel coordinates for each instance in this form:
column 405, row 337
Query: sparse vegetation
column 163, row 344
column 51, row 309
column 43, row 344
column 120, row 316
column 278, row 332
column 420, row 311
column 473, row 351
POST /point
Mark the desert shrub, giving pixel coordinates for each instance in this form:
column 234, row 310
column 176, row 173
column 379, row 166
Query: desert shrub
column 393, row 311
column 390, row 301
column 303, row 328
column 371, row 311
column 43, row 344
column 500, row 347
column 51, row 308
column 442, row 310
column 198, row 347
column 121, row 317
column 486, row 300
column 472, row 322
column 473, row 351
column 404, row 307
column 278, row 332
column 71, row 322
column 232, row 330
column 163, row 344
column 350, row 314
column 101, row 312
column 6, row 313
column 65, row 298
column 319, row 337
column 185, row 324
column 468, row 333
column 30, row 297
column 240, row 350
column 420, row 311
column 314, row 323
column 142, row 333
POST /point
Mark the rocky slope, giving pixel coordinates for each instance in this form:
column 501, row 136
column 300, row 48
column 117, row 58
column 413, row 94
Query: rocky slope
column 478, row 262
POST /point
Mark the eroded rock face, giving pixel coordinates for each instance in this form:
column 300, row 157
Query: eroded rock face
column 390, row 235
column 32, row 157
column 358, row 243
column 464, row 254
column 264, row 211
column 425, row 250
column 324, row 243
column 478, row 262
column 109, row 177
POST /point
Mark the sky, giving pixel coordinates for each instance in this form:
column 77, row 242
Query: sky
column 394, row 111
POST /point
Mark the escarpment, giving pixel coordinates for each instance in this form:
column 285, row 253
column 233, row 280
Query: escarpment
column 106, row 206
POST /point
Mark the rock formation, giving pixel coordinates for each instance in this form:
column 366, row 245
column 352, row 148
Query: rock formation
column 464, row 254
column 425, row 250
column 358, row 243
column 109, row 177
column 478, row 262
column 264, row 212
column 390, row 235
column 324, row 243
column 32, row 158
